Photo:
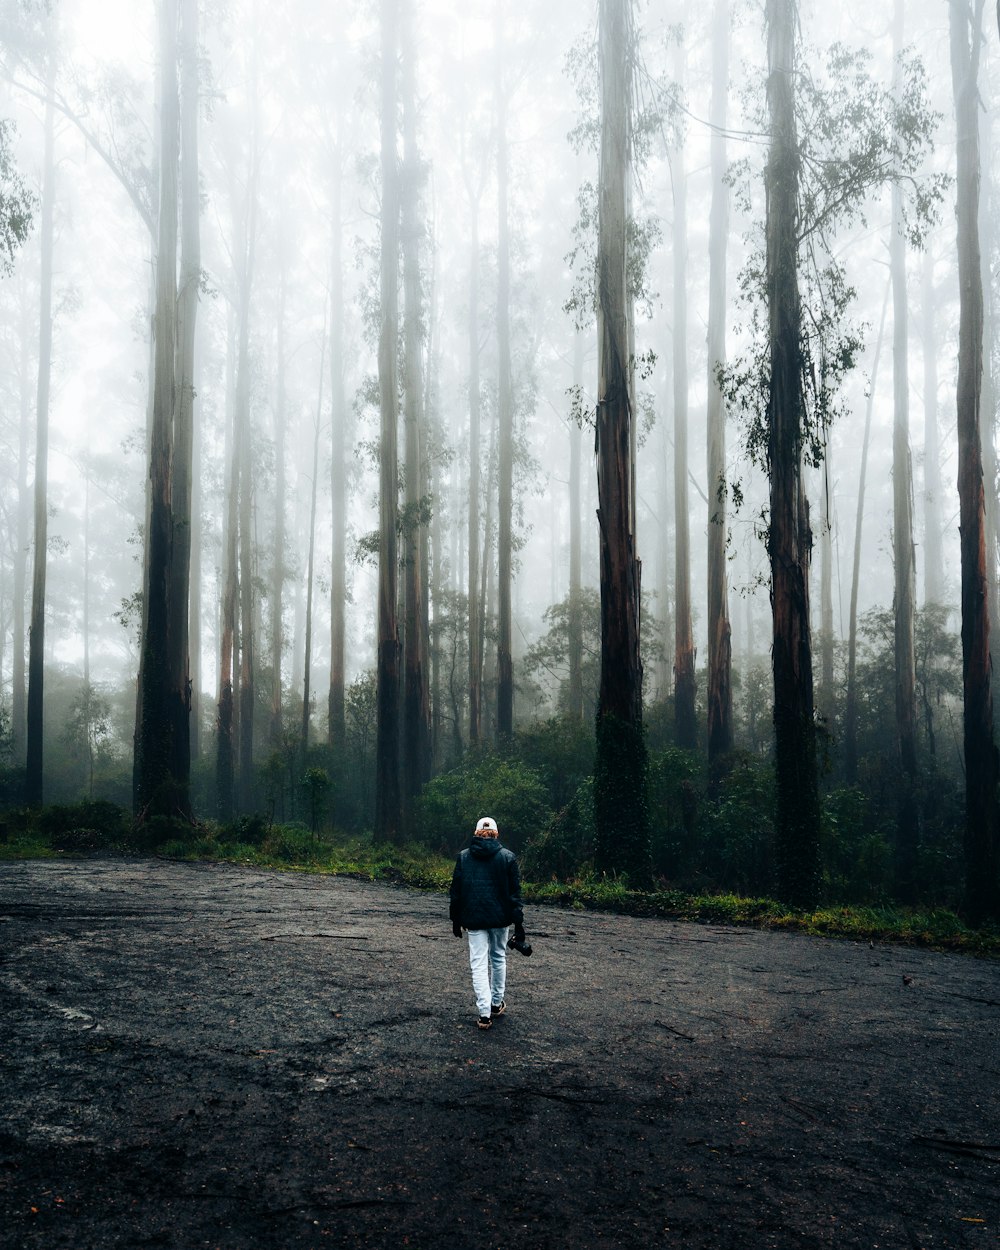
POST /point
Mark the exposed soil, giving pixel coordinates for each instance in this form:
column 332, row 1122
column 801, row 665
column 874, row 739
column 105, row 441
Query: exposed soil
column 213, row 1056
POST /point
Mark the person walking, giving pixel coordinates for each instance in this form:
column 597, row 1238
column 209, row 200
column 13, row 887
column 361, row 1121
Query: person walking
column 486, row 901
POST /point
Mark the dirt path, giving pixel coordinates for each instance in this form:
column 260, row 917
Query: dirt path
column 210, row 1056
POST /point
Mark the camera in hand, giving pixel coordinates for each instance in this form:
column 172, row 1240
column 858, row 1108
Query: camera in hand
column 520, row 944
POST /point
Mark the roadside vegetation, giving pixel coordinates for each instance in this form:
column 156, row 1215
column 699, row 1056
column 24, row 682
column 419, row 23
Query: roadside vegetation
column 556, row 870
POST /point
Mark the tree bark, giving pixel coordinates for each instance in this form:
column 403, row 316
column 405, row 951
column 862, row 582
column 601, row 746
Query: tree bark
column 933, row 558
column 181, row 470
column 307, row 653
column 278, row 559
column 685, row 720
column 225, row 771
column 987, row 409
column 720, row 695
column 982, row 767
column 851, row 700
column 505, row 492
column 24, row 520
column 790, row 539
column 575, row 693
column 387, row 787
column 622, row 824
column 338, row 468
column 33, row 780
column 416, row 689
column 475, row 643
column 247, row 251
column 159, row 792
column 904, row 557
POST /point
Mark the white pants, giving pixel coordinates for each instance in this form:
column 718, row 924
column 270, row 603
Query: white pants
column 488, row 958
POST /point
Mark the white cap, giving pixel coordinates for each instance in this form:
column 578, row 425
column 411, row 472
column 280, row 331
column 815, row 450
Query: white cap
column 486, row 827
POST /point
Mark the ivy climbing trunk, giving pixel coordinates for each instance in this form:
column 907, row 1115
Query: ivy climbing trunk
column 622, row 823
column 789, row 537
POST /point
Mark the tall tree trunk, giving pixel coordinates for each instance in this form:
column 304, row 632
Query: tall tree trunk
column 18, row 704
column 685, row 720
column 904, row 557
column 575, row 693
column 851, row 701
column 416, row 687
column 243, row 449
column 278, row 565
column 790, row 540
column 225, row 770
column 475, row 630
column 181, row 487
column 194, row 611
column 720, row 693
column 36, row 635
column 159, row 792
column 314, row 477
column 987, row 410
column 338, row 469
column 505, row 399
column 933, row 557
column 665, row 517
column 982, row 767
column 621, row 815
column 387, row 787
column 826, row 700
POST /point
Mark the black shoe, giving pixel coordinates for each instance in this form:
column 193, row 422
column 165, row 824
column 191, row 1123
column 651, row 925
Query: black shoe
column 485, row 1022
column 498, row 1009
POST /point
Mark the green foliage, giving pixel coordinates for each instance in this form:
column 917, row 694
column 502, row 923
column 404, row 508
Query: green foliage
column 316, row 784
column 855, row 137
column 485, row 785
column 88, row 825
column 565, row 848
column 17, row 201
column 621, row 814
column 561, row 751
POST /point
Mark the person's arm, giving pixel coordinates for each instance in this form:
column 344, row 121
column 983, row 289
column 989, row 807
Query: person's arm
column 514, row 888
column 455, row 898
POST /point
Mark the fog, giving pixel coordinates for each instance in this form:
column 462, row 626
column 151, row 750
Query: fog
column 288, row 119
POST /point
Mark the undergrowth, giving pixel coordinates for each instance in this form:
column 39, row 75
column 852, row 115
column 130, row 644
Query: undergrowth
column 294, row 848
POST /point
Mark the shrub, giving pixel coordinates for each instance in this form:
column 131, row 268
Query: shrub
column 565, row 849
column 488, row 785
column 88, row 825
column 291, row 844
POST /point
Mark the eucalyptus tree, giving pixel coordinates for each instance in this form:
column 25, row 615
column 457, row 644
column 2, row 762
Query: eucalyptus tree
column 416, row 690
column 904, row 557
column 387, row 781
column 34, row 764
column 159, row 791
column 620, row 808
column 982, row 765
column 505, row 405
column 684, row 675
column 720, row 696
column 835, row 137
column 932, row 490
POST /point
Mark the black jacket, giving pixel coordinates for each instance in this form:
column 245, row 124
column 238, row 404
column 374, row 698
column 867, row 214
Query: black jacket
column 486, row 886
